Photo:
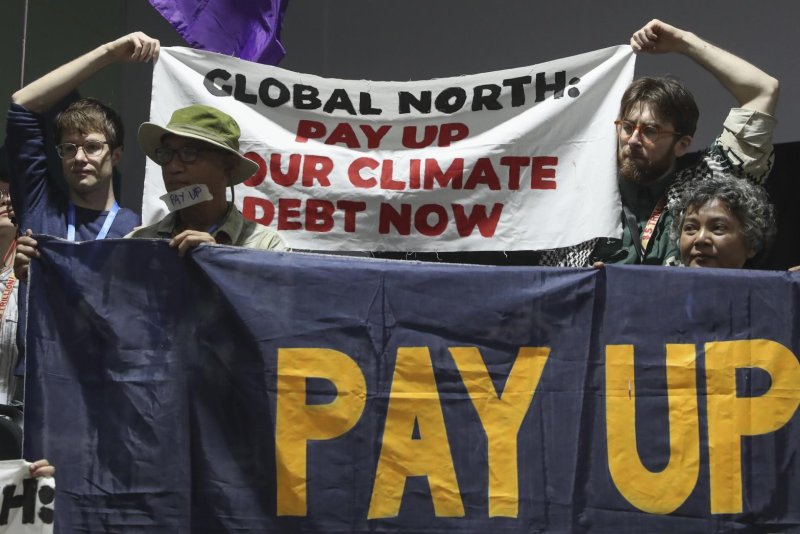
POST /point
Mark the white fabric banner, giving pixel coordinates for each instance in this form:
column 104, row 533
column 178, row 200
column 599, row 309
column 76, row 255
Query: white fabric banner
column 28, row 504
column 519, row 159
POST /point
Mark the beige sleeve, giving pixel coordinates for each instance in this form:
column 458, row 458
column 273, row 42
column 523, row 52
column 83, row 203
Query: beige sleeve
column 269, row 240
column 746, row 141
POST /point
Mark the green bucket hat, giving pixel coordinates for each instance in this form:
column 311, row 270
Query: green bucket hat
column 206, row 124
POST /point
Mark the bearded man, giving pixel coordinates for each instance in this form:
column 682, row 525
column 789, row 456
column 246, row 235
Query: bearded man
column 657, row 120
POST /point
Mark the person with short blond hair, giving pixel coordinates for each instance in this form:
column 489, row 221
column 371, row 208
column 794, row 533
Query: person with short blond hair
column 89, row 139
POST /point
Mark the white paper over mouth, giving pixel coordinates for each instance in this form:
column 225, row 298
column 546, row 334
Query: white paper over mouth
column 186, row 196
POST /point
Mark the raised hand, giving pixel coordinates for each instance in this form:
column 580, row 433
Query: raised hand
column 658, row 37
column 136, row 47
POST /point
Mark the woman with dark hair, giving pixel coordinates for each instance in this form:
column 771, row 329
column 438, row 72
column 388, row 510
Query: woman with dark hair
column 722, row 222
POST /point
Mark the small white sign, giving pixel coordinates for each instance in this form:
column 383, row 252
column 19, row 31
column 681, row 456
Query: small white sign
column 27, row 505
column 186, row 196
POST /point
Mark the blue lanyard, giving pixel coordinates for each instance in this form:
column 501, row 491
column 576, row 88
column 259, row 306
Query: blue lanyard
column 112, row 213
column 216, row 225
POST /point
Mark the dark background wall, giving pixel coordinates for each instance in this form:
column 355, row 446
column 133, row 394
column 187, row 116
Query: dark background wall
column 419, row 39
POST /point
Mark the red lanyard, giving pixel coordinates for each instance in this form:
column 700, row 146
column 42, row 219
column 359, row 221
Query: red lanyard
column 650, row 227
column 7, row 294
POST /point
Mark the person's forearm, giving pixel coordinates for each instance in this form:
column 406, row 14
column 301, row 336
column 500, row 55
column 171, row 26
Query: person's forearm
column 40, row 95
column 749, row 85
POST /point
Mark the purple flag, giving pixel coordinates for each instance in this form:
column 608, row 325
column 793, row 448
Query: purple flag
column 247, row 29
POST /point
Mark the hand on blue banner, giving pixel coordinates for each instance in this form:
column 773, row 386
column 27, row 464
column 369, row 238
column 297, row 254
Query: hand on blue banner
column 27, row 248
column 190, row 239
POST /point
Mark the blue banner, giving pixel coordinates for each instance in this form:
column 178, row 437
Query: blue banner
column 249, row 391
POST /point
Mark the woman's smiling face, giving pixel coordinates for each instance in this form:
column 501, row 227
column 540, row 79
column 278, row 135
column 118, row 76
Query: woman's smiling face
column 713, row 236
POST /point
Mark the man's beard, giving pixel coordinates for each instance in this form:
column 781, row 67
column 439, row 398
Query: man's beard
column 641, row 172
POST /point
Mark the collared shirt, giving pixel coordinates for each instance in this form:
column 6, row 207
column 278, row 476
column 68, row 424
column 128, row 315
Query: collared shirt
column 235, row 230
column 641, row 200
column 743, row 150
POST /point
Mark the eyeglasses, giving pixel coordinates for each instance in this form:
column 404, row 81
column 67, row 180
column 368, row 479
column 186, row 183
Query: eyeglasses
column 70, row 150
column 648, row 132
column 186, row 154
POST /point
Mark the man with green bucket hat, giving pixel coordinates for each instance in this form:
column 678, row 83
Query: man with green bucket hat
column 198, row 151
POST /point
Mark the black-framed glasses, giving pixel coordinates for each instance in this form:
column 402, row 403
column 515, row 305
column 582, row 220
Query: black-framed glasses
column 186, row 154
column 648, row 132
column 90, row 148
